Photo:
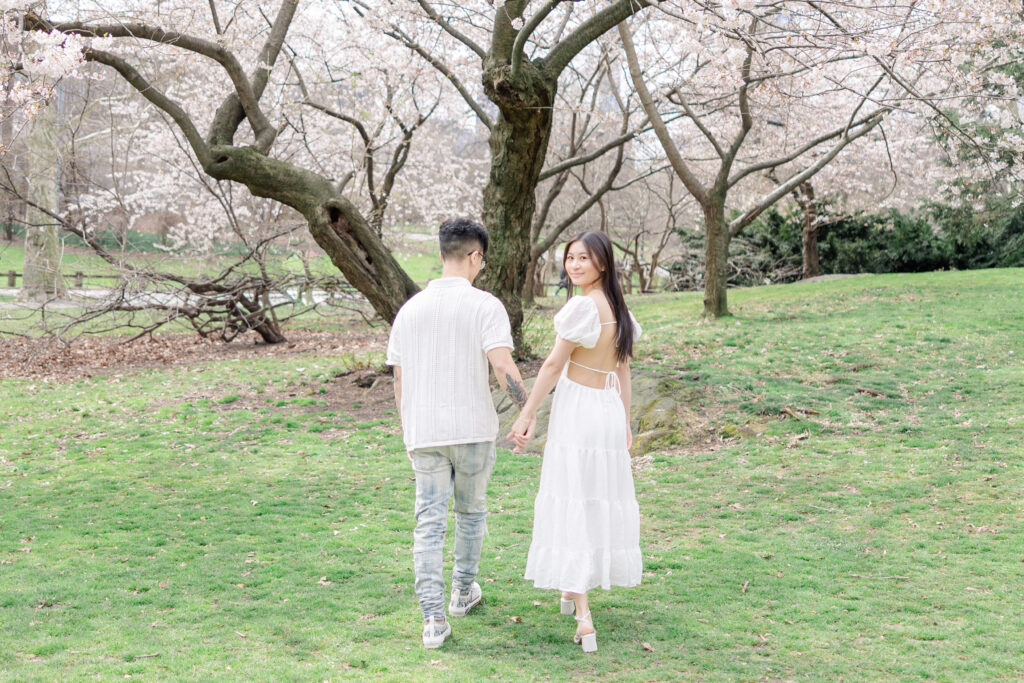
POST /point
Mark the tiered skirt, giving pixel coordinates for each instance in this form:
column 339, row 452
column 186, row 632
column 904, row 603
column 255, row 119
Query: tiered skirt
column 586, row 523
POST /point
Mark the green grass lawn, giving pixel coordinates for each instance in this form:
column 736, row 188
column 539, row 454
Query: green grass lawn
column 227, row 522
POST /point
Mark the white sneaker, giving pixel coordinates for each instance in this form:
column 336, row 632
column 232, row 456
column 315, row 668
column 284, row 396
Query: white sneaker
column 461, row 602
column 434, row 633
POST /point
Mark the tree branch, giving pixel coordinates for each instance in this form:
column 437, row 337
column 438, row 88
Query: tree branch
column 244, row 90
column 700, row 125
column 524, row 33
column 690, row 180
column 232, row 110
column 600, row 151
column 587, row 32
column 216, row 20
column 737, row 224
column 157, row 98
column 746, row 121
column 400, row 36
column 800, row 151
column 451, row 30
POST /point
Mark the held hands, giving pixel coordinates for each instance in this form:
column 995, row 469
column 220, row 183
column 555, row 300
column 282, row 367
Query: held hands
column 523, row 430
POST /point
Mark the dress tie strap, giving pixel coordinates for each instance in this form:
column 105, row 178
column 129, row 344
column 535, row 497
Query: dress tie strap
column 611, row 379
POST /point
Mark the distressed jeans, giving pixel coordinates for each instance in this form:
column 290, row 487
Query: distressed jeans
column 460, row 472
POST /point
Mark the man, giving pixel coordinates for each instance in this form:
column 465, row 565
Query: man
column 441, row 342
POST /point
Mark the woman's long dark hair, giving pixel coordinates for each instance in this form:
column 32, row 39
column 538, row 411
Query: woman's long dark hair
column 599, row 248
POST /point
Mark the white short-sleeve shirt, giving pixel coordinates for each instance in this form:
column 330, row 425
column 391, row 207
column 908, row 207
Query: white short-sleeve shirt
column 440, row 339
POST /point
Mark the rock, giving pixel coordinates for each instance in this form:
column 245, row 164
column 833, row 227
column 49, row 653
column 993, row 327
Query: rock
column 366, row 379
column 660, row 407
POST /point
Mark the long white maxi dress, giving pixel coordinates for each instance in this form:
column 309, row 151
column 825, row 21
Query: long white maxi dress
column 586, row 521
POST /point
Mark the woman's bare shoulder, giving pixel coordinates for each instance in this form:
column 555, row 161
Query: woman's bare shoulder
column 604, row 306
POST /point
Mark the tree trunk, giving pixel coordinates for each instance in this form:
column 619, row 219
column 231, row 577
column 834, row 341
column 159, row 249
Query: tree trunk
column 518, row 143
column 352, row 244
column 638, row 267
column 716, row 258
column 42, row 279
column 655, row 260
column 531, row 280
column 805, row 197
column 7, row 168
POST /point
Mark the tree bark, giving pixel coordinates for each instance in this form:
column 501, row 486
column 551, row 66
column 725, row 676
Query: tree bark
column 7, row 169
column 716, row 258
column 805, row 198
column 42, row 279
column 518, row 143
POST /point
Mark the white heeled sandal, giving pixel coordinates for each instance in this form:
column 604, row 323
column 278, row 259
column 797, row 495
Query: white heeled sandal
column 588, row 641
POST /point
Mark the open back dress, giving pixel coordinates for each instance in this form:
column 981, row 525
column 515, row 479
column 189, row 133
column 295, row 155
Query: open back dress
column 586, row 521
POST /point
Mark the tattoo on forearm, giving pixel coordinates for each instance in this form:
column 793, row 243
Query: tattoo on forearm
column 515, row 390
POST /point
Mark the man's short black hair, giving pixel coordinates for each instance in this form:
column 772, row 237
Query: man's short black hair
column 459, row 236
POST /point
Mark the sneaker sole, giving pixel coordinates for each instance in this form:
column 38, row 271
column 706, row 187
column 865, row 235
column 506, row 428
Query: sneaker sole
column 435, row 643
column 455, row 612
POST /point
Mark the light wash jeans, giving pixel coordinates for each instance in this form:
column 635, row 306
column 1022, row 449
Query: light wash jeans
column 462, row 469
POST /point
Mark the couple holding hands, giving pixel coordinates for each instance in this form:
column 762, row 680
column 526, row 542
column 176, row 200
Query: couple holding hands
column 586, row 524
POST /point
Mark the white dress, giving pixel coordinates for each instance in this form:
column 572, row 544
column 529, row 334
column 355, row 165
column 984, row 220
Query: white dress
column 586, row 521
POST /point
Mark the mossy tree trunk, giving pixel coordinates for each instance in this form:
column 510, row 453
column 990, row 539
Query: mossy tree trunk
column 805, row 198
column 518, row 143
column 716, row 258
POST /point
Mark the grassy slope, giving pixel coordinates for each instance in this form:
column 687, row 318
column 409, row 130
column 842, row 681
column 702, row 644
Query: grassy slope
column 878, row 537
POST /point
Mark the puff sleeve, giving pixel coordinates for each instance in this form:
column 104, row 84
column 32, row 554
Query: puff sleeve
column 579, row 322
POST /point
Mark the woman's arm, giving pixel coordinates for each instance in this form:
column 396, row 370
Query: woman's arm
column 626, row 383
column 547, row 377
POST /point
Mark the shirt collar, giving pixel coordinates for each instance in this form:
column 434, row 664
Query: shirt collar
column 449, row 282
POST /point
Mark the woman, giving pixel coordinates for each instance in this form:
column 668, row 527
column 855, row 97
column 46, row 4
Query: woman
column 586, row 526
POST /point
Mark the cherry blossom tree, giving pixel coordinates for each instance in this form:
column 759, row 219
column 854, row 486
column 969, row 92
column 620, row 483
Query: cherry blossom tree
column 518, row 51
column 787, row 86
column 143, row 43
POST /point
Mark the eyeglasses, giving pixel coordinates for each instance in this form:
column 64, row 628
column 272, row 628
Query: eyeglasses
column 483, row 259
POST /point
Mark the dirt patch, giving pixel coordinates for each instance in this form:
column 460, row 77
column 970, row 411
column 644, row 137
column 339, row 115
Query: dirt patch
column 37, row 358
column 361, row 395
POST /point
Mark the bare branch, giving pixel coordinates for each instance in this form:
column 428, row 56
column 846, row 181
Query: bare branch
column 589, row 31
column 157, row 97
column 700, row 124
column 520, row 45
column 600, row 151
column 216, row 20
column 451, row 30
column 737, row 224
column 800, row 151
column 746, row 121
column 690, row 180
column 402, row 37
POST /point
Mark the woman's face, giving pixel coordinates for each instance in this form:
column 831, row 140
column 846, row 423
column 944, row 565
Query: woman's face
column 583, row 270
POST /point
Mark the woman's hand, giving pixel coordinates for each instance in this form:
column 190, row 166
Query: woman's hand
column 522, row 431
column 629, row 437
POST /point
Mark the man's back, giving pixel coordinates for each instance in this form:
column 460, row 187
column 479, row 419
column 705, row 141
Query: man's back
column 440, row 339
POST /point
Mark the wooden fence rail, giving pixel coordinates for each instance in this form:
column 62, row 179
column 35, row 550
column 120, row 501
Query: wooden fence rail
column 77, row 278
column 78, row 281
